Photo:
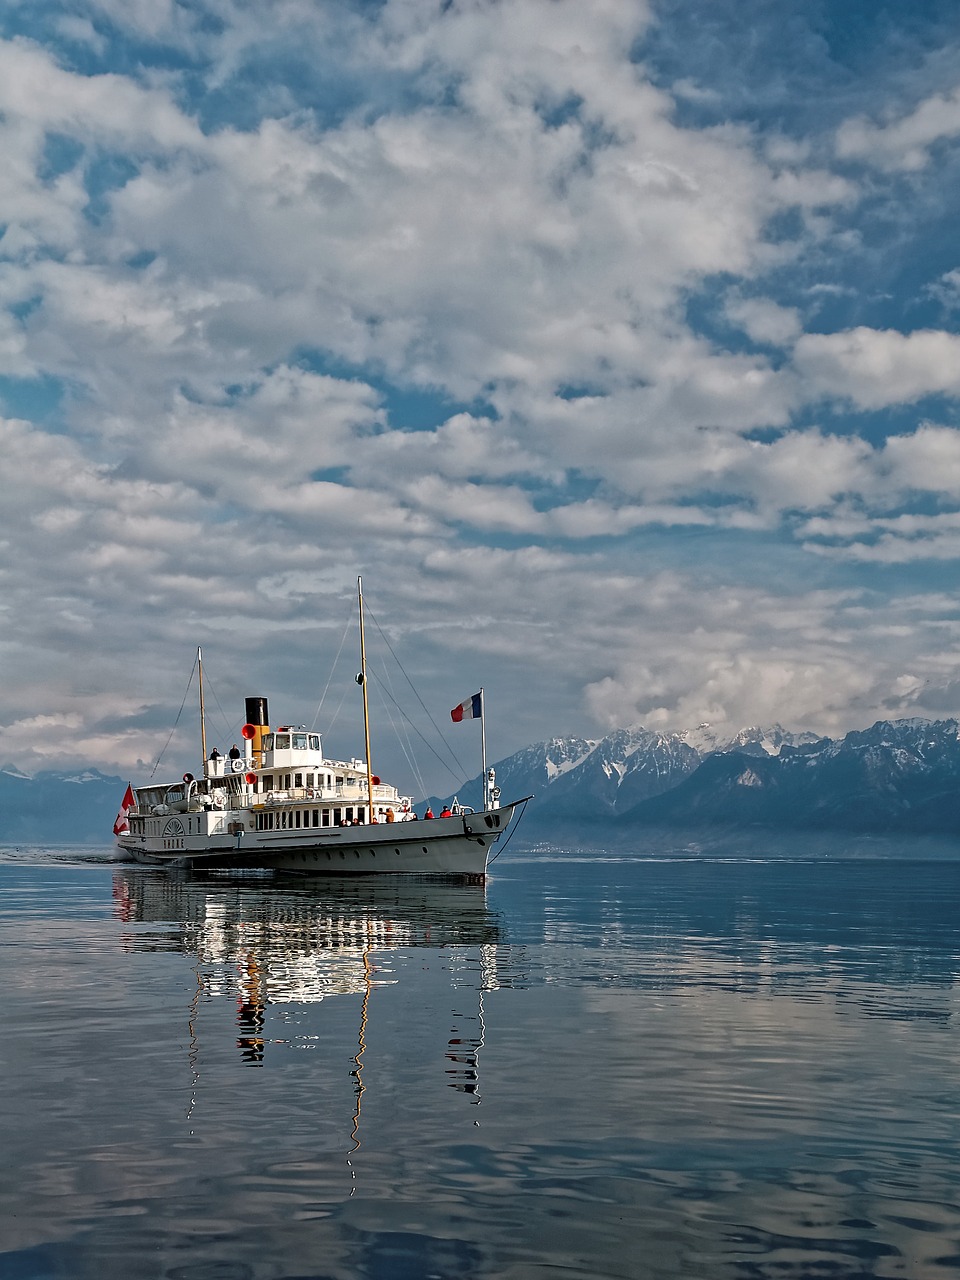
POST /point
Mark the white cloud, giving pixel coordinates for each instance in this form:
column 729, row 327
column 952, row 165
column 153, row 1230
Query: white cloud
column 33, row 88
column 875, row 368
column 902, row 142
column 821, row 661
column 764, row 320
column 928, row 459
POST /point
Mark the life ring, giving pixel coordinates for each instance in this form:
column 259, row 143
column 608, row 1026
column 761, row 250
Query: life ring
column 188, row 777
column 238, row 764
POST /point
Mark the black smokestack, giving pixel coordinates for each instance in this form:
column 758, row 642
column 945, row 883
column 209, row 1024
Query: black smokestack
column 256, row 711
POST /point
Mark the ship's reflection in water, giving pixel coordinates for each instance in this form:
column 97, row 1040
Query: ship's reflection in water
column 274, row 947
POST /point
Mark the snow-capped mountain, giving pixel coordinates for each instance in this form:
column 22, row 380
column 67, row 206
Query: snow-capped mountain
column 64, row 808
column 582, row 778
column 895, row 776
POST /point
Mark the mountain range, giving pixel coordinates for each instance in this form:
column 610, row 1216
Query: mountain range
column 901, row 775
column 897, row 776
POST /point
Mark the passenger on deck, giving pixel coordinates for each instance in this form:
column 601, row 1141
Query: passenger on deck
column 429, row 813
column 234, row 752
column 446, row 812
column 215, row 754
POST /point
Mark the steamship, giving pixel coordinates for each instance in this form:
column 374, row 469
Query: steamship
column 280, row 804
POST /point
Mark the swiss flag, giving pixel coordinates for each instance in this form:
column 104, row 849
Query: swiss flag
column 121, row 825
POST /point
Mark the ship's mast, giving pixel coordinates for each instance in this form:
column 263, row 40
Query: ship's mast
column 203, row 720
column 362, row 681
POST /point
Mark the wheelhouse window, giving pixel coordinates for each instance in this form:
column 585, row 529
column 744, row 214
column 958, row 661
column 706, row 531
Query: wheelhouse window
column 299, row 741
column 281, row 741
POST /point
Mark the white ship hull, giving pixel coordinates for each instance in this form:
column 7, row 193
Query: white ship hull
column 455, row 846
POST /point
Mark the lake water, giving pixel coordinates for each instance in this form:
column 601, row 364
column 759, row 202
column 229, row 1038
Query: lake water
column 599, row 1066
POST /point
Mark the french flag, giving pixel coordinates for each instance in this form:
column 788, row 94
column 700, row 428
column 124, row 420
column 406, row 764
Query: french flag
column 122, row 823
column 472, row 709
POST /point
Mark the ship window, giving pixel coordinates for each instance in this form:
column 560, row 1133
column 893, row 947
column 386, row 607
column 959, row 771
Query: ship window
column 298, row 779
column 299, row 742
column 316, row 817
column 314, row 742
column 310, row 779
column 297, row 819
column 266, row 742
column 326, row 818
column 282, row 741
column 268, row 782
column 286, row 781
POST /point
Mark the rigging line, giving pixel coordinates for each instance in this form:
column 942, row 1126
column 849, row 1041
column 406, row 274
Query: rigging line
column 405, row 747
column 163, row 749
column 439, row 731
column 517, row 816
column 402, row 735
column 333, row 719
column 332, row 670
column 225, row 722
column 461, row 779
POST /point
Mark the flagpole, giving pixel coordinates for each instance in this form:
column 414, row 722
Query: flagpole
column 483, row 752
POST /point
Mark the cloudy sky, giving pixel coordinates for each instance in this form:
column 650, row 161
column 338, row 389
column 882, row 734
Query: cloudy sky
column 615, row 343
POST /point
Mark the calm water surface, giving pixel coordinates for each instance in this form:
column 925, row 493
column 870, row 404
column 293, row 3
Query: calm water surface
column 598, row 1067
